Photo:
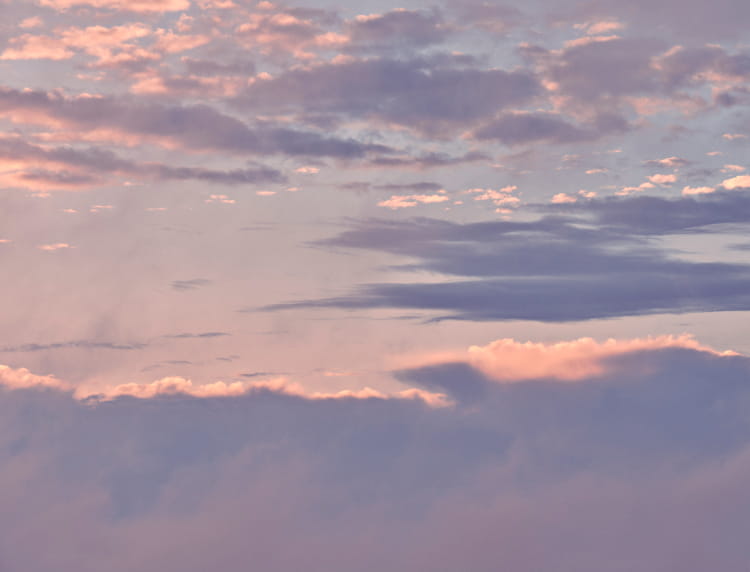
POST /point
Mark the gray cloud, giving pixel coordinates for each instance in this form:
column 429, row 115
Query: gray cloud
column 213, row 68
column 194, row 126
column 190, row 284
column 398, row 29
column 691, row 20
column 99, row 160
column 363, row 186
column 492, row 17
column 428, row 160
column 562, row 299
column 521, row 128
column 636, row 464
column 651, row 215
column 76, row 344
column 551, row 269
column 425, row 94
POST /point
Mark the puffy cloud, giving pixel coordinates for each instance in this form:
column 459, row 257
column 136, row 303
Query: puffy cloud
column 406, row 201
column 561, row 198
column 307, row 170
column 670, row 162
column 491, row 17
column 397, row 29
column 23, row 379
column 684, row 66
column 29, row 47
column 738, row 182
column 502, row 198
column 280, row 31
column 732, row 169
column 585, row 70
column 661, row 179
column 424, row 94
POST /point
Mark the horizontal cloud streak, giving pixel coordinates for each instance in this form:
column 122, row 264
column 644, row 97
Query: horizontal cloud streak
column 551, row 269
column 193, row 126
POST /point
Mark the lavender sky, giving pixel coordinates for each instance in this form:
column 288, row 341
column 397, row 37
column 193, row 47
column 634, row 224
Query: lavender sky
column 374, row 286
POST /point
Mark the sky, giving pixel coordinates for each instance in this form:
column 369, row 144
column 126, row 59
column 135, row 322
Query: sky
column 453, row 285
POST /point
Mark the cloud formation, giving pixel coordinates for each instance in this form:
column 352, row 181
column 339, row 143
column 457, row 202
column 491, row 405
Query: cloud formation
column 550, row 269
column 654, row 442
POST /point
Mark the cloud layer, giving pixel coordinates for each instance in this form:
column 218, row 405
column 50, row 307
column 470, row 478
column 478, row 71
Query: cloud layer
column 641, row 454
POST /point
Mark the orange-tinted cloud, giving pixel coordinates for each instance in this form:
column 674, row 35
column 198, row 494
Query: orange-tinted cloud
column 121, row 5
column 507, row 360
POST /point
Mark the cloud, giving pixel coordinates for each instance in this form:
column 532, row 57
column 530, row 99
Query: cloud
column 502, row 198
column 550, row 269
column 98, row 41
column 53, row 247
column 406, row 201
column 562, row 198
column 649, row 451
column 423, row 94
column 665, row 215
column 397, row 29
column 121, row 5
column 669, row 162
column 661, row 179
column 523, row 128
column 509, row 361
column 428, row 160
column 198, row 127
column 40, row 167
column 202, row 335
column 491, row 17
column 363, row 186
column 738, row 182
column 697, row 190
column 585, row 71
column 23, row 379
column 282, row 32
column 77, row 344
column 693, row 19
column 190, row 284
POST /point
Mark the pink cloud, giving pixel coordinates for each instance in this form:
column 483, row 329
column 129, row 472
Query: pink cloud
column 55, row 246
column 739, row 182
column 408, row 201
column 662, row 179
column 122, row 5
column 30, row 47
column 23, row 379
column 180, row 386
column 501, row 198
column 697, row 190
column 507, row 360
column 562, row 198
